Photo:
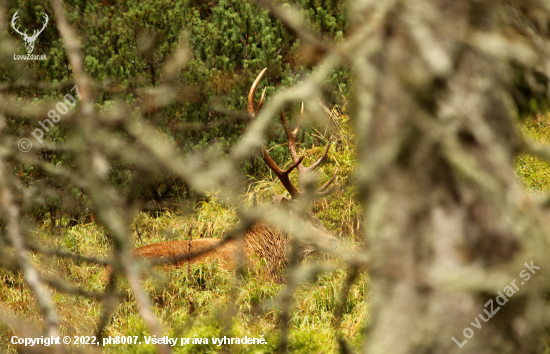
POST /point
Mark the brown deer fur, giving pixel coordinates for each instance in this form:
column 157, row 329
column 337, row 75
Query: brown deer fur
column 262, row 241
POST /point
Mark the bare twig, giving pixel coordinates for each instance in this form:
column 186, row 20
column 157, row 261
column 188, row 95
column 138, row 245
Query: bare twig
column 10, row 213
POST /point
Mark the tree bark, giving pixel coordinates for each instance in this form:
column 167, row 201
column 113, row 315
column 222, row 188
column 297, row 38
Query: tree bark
column 448, row 225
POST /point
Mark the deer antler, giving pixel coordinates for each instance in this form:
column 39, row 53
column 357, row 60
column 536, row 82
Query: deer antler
column 302, row 170
column 291, row 136
column 13, row 21
column 280, row 173
column 29, row 41
column 35, row 34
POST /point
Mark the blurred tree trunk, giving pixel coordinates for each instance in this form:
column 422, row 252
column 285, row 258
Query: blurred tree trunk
column 448, row 225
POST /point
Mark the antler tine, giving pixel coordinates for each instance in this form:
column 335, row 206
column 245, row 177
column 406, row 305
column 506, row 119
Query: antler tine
column 283, row 175
column 327, row 184
column 45, row 24
column 320, row 159
column 13, row 23
column 261, row 100
column 15, row 17
column 297, row 129
column 291, row 137
column 302, row 170
column 252, row 91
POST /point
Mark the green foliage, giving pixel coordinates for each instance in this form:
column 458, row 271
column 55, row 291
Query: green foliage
column 198, row 304
column 534, row 172
column 125, row 45
column 530, row 93
column 325, row 16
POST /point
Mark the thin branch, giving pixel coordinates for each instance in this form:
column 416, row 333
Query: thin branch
column 63, row 286
column 10, row 213
column 64, row 254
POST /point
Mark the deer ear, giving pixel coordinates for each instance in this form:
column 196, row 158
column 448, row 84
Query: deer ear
column 280, row 199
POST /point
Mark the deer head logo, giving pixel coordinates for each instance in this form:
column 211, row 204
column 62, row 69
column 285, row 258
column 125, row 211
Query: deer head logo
column 29, row 41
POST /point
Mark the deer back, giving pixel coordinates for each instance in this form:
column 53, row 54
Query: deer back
column 262, row 242
column 169, row 249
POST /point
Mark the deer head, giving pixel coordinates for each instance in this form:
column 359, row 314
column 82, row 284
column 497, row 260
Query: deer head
column 29, row 41
column 262, row 239
column 283, row 175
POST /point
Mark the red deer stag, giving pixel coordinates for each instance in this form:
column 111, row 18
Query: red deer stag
column 261, row 240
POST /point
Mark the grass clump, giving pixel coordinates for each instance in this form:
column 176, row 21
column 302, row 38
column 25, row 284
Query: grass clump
column 205, row 301
column 533, row 172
